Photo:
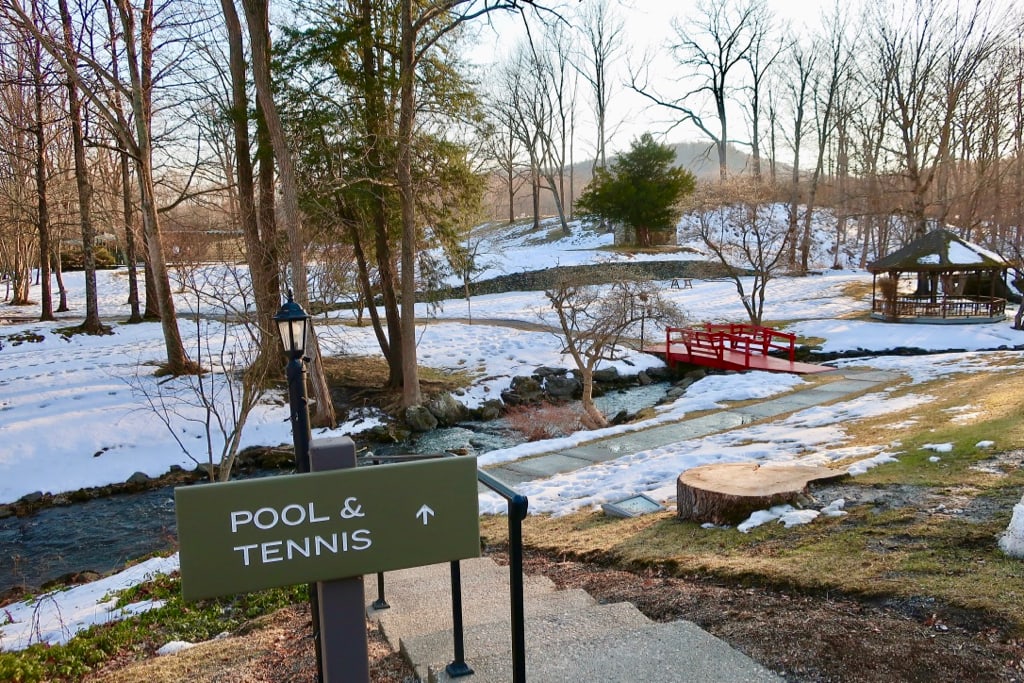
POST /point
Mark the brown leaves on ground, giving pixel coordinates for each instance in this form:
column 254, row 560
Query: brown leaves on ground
column 277, row 648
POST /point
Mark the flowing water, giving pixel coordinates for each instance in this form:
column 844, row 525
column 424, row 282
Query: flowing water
column 103, row 534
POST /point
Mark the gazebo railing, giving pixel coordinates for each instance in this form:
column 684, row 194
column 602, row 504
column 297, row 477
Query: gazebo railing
column 940, row 307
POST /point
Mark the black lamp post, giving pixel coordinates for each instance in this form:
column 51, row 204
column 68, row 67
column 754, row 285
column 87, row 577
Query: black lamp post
column 293, row 326
column 643, row 317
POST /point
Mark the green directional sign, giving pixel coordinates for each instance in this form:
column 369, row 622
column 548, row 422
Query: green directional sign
column 243, row 536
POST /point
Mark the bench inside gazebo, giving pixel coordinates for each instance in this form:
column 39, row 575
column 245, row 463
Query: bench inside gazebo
column 939, row 278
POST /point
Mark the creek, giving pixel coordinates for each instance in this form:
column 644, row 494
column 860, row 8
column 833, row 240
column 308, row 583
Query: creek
column 103, row 534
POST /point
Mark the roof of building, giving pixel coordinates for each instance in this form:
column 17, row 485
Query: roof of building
column 939, row 250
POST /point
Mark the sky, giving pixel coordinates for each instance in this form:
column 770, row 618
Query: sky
column 74, row 412
column 647, row 29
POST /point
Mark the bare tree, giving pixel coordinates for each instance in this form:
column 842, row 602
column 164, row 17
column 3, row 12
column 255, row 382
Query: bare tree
column 604, row 33
column 765, row 50
column 800, row 69
column 745, row 230
column 137, row 25
column 217, row 402
column 827, row 92
column 526, row 114
column 91, row 324
column 929, row 53
column 593, row 320
column 42, row 170
column 505, row 150
column 257, row 17
column 711, row 45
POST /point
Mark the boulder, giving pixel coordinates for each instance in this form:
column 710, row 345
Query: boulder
column 643, row 379
column 562, row 387
column 693, row 375
column 659, row 373
column 138, row 479
column 523, row 390
column 419, row 419
column 607, row 375
column 545, row 371
column 446, row 410
column 491, row 409
column 621, row 417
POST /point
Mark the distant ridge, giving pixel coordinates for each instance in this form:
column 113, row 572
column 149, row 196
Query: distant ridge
column 701, row 158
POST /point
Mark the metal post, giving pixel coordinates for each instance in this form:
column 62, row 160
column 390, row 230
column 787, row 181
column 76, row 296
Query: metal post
column 341, row 619
column 299, row 404
column 458, row 667
column 380, row 602
column 517, row 509
column 301, row 437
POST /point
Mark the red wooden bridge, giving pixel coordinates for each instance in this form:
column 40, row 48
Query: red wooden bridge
column 734, row 346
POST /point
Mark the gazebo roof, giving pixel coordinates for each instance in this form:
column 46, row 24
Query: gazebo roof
column 940, row 250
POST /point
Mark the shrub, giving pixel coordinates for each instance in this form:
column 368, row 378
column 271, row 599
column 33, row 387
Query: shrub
column 547, row 421
column 71, row 259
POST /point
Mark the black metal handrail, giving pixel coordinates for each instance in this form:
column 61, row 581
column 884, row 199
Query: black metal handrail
column 518, row 505
column 517, row 509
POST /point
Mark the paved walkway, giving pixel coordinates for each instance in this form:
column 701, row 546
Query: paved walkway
column 845, row 383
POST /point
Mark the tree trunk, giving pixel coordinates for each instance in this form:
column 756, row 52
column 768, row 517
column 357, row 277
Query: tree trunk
column 91, row 324
column 62, row 291
column 587, row 400
column 265, row 288
column 257, row 18
column 727, row 493
column 406, row 120
column 140, row 68
column 131, row 250
column 43, row 210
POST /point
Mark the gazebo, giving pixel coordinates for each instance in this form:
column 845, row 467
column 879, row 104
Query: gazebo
column 939, row 278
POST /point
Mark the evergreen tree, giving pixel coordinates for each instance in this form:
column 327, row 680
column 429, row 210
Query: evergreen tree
column 642, row 190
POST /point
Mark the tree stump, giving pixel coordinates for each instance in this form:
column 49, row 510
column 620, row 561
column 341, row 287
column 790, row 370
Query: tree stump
column 726, row 493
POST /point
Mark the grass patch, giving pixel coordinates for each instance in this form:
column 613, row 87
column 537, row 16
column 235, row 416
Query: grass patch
column 895, row 553
column 140, row 636
column 27, row 337
column 961, row 410
column 372, row 371
column 857, row 289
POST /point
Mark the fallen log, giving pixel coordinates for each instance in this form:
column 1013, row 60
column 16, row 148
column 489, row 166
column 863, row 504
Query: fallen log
column 726, row 493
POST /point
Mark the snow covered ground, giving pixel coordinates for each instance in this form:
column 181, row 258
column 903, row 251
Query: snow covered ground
column 74, row 412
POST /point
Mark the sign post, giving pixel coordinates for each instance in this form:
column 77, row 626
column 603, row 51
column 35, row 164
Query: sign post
column 327, row 525
column 344, row 651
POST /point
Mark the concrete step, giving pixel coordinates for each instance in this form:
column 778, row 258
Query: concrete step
column 415, row 582
column 675, row 652
column 422, row 604
column 494, row 639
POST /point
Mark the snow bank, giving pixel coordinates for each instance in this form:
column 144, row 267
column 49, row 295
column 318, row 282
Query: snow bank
column 1012, row 541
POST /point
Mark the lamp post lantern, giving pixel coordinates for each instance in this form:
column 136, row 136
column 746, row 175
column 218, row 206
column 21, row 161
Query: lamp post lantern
column 293, row 326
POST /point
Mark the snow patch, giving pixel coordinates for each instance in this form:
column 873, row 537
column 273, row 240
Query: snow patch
column 1012, row 542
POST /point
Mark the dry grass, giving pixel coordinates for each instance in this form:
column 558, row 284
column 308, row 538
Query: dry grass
column 546, row 421
column 362, row 379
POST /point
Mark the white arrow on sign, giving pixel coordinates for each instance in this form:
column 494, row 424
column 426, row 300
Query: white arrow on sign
column 426, row 513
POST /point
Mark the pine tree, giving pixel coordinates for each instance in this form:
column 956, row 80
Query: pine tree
column 642, row 191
